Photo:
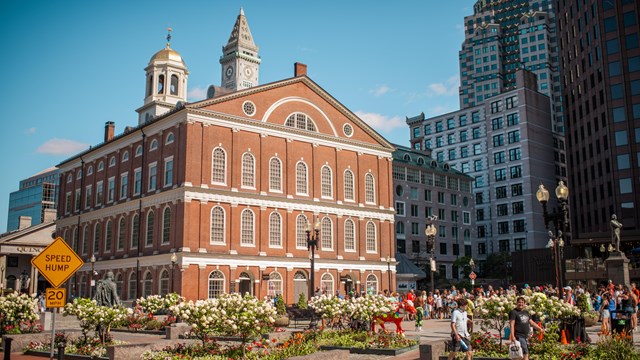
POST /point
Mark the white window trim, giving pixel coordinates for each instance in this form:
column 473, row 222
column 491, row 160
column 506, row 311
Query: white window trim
column 138, row 153
column 269, row 229
column 146, row 225
column 253, row 230
column 125, row 157
column 307, row 178
column 113, row 178
column 122, row 176
column 98, row 199
column 375, row 238
column 167, row 141
column 77, row 201
column 242, row 185
column 153, row 164
column 224, row 233
column 88, row 196
column 468, row 216
column 404, row 207
column 373, row 178
column 164, row 172
column 100, row 166
column 112, row 161
column 224, row 182
column 153, row 145
column 137, row 171
column 353, row 186
column 67, row 209
column 332, row 233
column 280, row 176
column 299, row 247
column 331, row 184
column 355, row 237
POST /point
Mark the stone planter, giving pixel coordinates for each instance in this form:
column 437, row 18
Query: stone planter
column 282, row 321
column 46, row 354
column 385, row 352
column 590, row 321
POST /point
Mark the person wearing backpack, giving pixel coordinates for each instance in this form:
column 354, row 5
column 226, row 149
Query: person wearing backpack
column 460, row 338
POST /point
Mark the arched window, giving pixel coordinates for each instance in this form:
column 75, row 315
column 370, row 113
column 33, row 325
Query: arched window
column 248, row 170
column 108, row 231
column 166, row 225
column 326, row 182
column 149, row 87
column 174, row 85
column 275, row 230
column 76, row 232
column 247, row 228
column 100, row 166
column 160, row 84
column 151, row 217
column 217, row 225
column 400, row 228
column 125, row 156
column 371, row 237
column 121, row 233
column 153, row 145
column 348, row 185
column 112, row 161
column 372, row 284
column 170, row 138
column 147, row 285
column 135, row 232
column 275, row 174
column 406, row 157
column 85, row 240
column 326, row 234
column 138, row 150
column 218, row 166
column 90, row 170
column 216, row 284
column 349, row 235
column 97, row 234
column 369, row 189
column 300, row 121
column 327, row 283
column 274, row 284
column 164, row 283
column 119, row 283
column 301, row 231
column 132, row 285
column 301, row 178
column 69, row 178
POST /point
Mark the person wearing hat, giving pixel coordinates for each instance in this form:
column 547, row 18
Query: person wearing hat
column 568, row 295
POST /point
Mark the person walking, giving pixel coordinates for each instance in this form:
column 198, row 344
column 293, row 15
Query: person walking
column 605, row 314
column 520, row 324
column 460, row 338
column 418, row 303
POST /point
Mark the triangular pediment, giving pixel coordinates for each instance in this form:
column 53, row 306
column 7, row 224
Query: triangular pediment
column 273, row 104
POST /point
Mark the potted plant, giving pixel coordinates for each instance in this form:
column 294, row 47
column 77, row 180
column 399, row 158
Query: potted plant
column 282, row 319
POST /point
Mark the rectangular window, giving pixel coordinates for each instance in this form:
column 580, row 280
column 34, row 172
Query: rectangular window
column 477, row 149
column 513, row 119
column 124, row 185
column 466, row 218
column 399, row 208
column 111, row 189
column 477, row 165
column 153, row 176
column 516, row 190
column 511, row 102
column 415, row 246
column 496, row 123
column 439, row 127
column 427, row 195
column 503, row 245
column 517, row 207
column 99, row 193
column 443, row 249
column 503, row 227
column 452, row 154
column 515, row 171
column 501, row 192
column 502, row 210
column 415, row 228
column 88, row 195
column 77, row 198
column 462, row 120
column 500, row 174
column 515, row 154
column 498, row 157
column 440, row 198
column 496, row 106
column 464, row 152
column 518, row 226
column 416, row 132
column 451, row 139
column 451, row 123
column 476, row 133
column 442, row 215
column 463, row 135
column 137, row 181
column 168, row 171
column 414, row 210
column 482, row 248
column 498, row 140
column 67, row 203
column 514, row 136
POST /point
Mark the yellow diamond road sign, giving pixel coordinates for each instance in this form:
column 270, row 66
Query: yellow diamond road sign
column 57, row 262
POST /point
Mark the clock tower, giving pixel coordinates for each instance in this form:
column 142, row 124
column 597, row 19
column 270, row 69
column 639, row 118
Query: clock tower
column 240, row 61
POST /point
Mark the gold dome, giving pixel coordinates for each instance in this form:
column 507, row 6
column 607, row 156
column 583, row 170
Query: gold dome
column 167, row 54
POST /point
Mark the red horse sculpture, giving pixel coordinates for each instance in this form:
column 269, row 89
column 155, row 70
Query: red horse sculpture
column 394, row 317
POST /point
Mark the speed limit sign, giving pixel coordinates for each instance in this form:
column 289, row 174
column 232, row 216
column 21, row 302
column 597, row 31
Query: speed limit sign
column 56, row 297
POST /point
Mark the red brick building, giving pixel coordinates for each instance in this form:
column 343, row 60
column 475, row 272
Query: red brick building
column 230, row 184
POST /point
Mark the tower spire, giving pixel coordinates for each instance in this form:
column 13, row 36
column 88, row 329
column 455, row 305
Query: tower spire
column 169, row 30
column 240, row 60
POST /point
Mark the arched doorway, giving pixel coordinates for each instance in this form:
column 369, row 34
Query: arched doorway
column 300, row 286
column 349, row 285
column 245, row 284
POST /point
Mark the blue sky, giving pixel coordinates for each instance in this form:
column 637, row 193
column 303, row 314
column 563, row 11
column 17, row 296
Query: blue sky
column 70, row 66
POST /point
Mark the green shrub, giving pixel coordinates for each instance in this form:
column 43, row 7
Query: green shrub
column 281, row 308
column 302, row 301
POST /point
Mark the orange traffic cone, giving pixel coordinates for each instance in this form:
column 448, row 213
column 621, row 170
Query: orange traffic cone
column 563, row 339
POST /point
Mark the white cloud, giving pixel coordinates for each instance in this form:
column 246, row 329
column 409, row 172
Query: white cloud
column 380, row 90
column 31, row 130
column 446, row 88
column 196, row 94
column 381, row 122
column 61, row 147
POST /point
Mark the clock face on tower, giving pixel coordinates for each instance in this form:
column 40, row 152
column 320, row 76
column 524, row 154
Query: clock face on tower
column 248, row 71
column 229, row 71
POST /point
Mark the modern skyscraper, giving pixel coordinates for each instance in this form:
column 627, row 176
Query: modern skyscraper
column 37, row 193
column 504, row 144
column 600, row 66
column 503, row 36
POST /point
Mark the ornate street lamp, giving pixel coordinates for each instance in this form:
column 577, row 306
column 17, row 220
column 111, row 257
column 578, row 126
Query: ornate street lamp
column 560, row 219
column 174, row 260
column 93, row 263
column 431, row 232
column 312, row 244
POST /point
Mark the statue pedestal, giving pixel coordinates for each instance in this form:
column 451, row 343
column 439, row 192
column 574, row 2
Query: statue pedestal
column 617, row 266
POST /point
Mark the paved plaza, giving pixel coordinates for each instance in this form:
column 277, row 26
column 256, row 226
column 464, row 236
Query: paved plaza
column 432, row 330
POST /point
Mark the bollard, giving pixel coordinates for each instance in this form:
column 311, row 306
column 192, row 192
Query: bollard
column 7, row 348
column 61, row 347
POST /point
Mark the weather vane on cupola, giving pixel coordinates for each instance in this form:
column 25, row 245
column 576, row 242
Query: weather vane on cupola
column 169, row 30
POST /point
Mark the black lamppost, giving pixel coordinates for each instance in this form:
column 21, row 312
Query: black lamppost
column 431, row 232
column 93, row 263
column 312, row 244
column 389, row 272
column 560, row 219
column 174, row 260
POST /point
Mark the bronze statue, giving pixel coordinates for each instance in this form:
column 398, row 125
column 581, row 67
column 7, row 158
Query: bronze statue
column 615, row 232
column 107, row 292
